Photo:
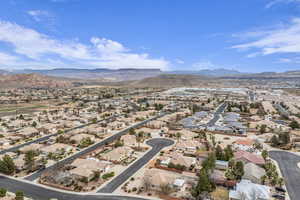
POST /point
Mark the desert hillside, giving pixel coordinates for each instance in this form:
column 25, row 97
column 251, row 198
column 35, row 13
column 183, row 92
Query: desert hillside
column 32, row 80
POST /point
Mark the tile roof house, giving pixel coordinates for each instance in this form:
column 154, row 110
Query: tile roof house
column 253, row 173
column 189, row 146
column 86, row 168
column 129, row 140
column 247, row 157
column 28, row 132
column 79, row 137
column 57, row 148
column 158, row 177
column 177, row 158
column 118, row 154
column 244, row 144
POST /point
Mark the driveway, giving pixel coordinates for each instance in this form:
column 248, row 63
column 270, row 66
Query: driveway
column 291, row 173
column 157, row 145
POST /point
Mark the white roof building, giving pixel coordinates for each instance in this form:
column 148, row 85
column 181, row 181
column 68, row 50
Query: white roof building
column 246, row 190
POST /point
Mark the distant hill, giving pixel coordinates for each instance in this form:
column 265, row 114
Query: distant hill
column 210, row 72
column 32, row 81
column 100, row 73
column 267, row 75
column 172, row 80
column 3, row 72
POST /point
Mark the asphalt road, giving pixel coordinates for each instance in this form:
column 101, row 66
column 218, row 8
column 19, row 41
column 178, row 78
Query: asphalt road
column 288, row 166
column 157, row 145
column 38, row 192
column 281, row 110
column 42, row 139
column 87, row 150
column 217, row 114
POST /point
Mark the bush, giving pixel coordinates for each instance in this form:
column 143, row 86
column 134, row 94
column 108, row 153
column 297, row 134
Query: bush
column 3, row 192
column 108, row 175
column 19, row 195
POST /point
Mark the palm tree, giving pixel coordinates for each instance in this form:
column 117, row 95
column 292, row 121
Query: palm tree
column 178, row 136
column 139, row 138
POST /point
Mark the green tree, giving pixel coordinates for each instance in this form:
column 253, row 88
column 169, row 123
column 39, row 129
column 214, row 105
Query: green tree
column 265, row 154
column 235, row 170
column 274, row 141
column 263, row 129
column 219, row 153
column 294, row 125
column 210, row 162
column 7, row 165
column 132, row 131
column 284, row 138
column 3, row 192
column 139, row 138
column 19, row 195
column 228, row 153
column 34, row 124
column 239, row 170
column 204, row 184
column 178, row 136
column 30, row 159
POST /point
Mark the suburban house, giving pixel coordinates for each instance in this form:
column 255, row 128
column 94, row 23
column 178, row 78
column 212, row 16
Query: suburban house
column 57, row 148
column 28, row 132
column 246, row 190
column 158, row 177
column 129, row 140
column 248, row 157
column 86, row 168
column 118, row 154
column 253, row 173
column 178, row 159
column 244, row 145
column 79, row 137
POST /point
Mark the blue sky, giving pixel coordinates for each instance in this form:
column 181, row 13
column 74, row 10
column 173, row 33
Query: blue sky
column 247, row 35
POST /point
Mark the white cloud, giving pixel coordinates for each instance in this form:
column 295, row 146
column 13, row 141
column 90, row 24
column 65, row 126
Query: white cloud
column 34, row 45
column 101, row 52
column 106, row 46
column 284, row 39
column 39, row 15
column 7, row 58
column 274, row 2
column 179, row 61
column 295, row 60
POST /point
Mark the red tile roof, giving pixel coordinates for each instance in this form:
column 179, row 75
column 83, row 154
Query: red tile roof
column 250, row 157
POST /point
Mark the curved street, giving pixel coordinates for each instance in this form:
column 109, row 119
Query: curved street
column 157, row 145
column 291, row 172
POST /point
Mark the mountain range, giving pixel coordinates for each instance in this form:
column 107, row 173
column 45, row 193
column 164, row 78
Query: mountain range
column 99, row 74
column 63, row 77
